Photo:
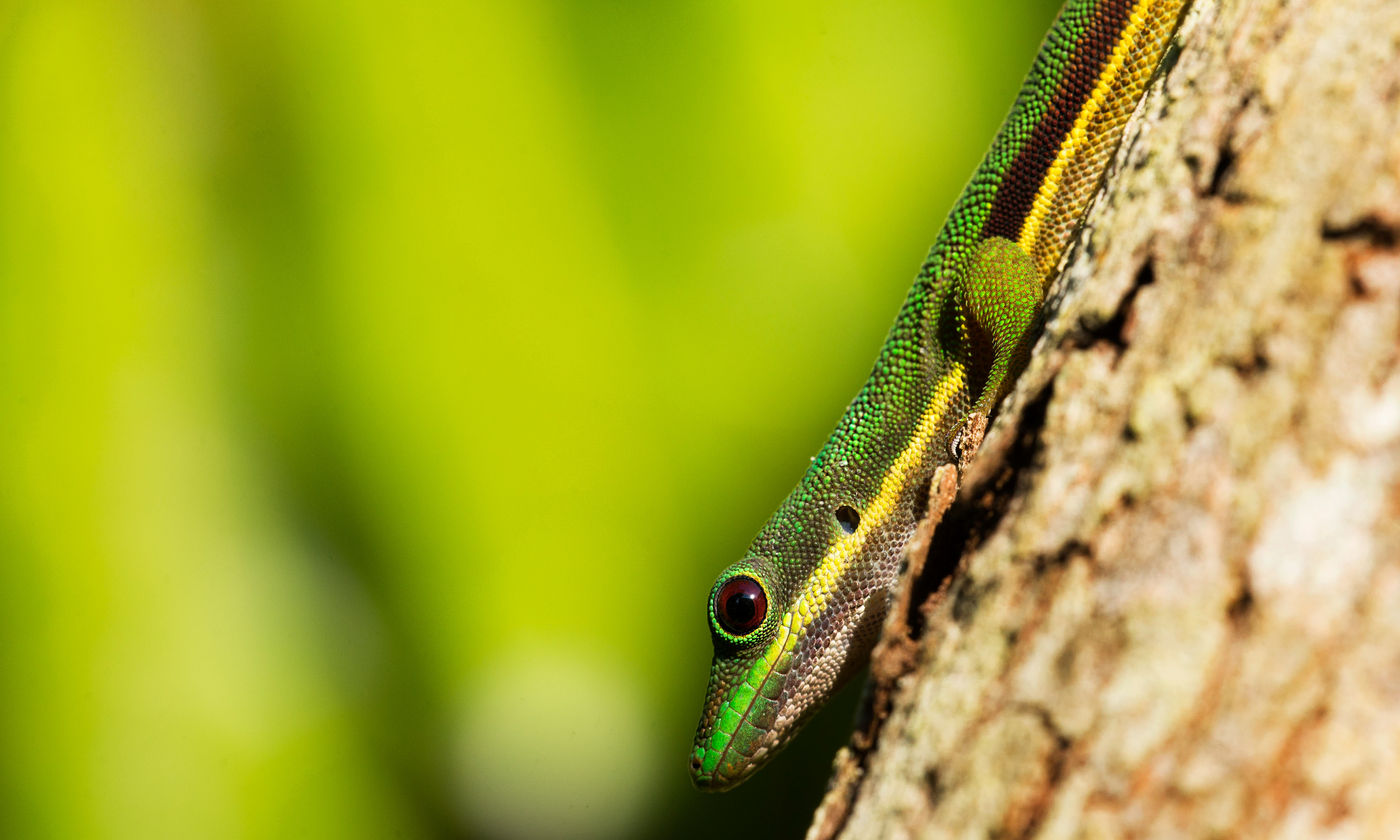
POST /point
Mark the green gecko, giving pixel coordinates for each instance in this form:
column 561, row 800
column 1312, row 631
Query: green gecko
column 798, row 615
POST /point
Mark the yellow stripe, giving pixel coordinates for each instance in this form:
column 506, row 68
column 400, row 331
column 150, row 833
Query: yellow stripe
column 1047, row 254
column 825, row 578
column 1066, row 189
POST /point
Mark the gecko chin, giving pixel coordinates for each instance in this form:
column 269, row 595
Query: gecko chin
column 722, row 760
column 748, row 717
column 722, row 778
column 760, row 699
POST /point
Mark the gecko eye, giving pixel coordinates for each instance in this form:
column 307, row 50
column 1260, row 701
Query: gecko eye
column 740, row 606
column 849, row 519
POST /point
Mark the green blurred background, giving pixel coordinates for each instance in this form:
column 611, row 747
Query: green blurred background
column 383, row 386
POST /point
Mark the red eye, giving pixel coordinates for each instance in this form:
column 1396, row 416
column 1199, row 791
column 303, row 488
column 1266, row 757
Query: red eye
column 740, row 606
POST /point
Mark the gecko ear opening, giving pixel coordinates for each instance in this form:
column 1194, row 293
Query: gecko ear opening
column 849, row 519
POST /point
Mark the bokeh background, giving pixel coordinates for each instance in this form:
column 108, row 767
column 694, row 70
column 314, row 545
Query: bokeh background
column 383, row 385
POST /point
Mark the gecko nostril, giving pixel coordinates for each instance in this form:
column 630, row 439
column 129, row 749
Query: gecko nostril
column 849, row 518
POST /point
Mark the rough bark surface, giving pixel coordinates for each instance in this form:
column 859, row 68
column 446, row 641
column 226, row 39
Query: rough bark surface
column 1177, row 608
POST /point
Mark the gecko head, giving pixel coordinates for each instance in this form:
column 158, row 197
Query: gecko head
column 784, row 642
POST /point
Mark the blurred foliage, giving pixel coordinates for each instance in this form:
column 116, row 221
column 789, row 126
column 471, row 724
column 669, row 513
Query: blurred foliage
column 384, row 384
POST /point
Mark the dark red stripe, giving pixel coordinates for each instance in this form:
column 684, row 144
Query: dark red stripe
column 1022, row 180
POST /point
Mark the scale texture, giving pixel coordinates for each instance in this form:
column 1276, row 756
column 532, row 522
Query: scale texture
column 798, row 615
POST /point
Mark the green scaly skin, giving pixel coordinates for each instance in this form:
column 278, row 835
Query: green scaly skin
column 797, row 616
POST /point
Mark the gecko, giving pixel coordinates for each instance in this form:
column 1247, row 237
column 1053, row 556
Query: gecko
column 797, row 616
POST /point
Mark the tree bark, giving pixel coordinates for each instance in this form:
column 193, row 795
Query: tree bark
column 1177, row 605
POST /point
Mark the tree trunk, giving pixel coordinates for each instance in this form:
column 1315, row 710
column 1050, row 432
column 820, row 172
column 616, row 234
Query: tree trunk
column 1166, row 599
